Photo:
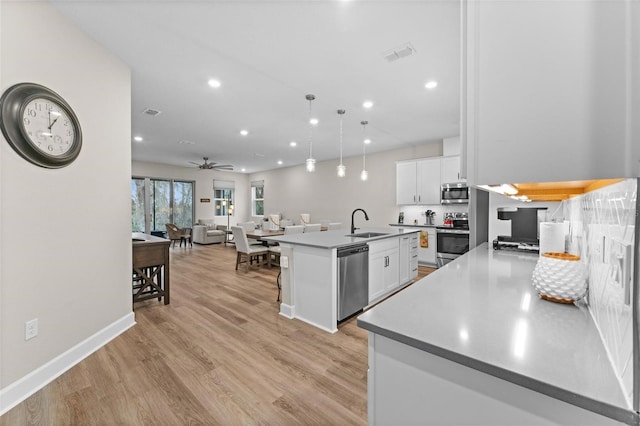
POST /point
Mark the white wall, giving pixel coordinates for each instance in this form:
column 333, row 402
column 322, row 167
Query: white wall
column 65, row 234
column 322, row 194
column 203, row 188
column 292, row 190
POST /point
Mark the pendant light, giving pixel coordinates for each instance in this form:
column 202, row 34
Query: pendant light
column 364, row 175
column 311, row 162
column 342, row 169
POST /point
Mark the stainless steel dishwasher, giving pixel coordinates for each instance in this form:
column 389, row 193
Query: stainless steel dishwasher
column 353, row 280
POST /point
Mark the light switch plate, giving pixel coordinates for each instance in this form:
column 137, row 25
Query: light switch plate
column 620, row 260
column 284, row 261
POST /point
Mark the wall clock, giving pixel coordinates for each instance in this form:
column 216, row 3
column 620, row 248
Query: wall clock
column 40, row 125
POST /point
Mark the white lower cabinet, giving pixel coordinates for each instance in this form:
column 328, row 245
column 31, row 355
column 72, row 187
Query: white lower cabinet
column 408, row 261
column 427, row 250
column 384, row 272
column 413, row 256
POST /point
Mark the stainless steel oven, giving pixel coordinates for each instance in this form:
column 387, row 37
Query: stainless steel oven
column 450, row 244
column 454, row 193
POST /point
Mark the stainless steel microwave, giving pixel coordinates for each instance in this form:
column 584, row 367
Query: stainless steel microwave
column 454, row 193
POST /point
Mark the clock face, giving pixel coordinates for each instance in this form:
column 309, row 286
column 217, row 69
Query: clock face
column 48, row 127
column 40, row 125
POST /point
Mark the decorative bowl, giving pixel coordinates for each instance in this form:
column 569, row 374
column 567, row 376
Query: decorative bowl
column 560, row 277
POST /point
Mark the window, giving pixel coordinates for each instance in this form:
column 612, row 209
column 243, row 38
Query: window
column 257, row 198
column 223, row 192
column 156, row 202
column 183, row 204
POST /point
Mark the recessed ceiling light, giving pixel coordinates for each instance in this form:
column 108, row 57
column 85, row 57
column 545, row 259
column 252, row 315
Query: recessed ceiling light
column 293, row 144
column 431, row 84
column 367, row 104
column 214, row 83
column 313, row 121
column 279, row 162
column 367, row 141
column 244, row 132
column 243, row 170
column 183, row 142
column 137, row 138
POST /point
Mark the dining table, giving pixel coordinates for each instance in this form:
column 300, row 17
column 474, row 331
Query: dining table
column 261, row 233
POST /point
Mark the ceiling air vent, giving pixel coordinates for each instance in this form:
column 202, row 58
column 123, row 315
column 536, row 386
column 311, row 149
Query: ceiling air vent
column 399, row 52
column 152, row 112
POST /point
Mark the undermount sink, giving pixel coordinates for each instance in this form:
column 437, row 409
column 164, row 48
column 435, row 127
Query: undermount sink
column 367, row 234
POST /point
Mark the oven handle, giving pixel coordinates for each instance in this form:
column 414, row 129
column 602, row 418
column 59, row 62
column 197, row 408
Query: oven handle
column 452, row 231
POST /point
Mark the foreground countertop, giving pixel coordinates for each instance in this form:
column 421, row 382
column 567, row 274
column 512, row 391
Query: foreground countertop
column 339, row 237
column 482, row 311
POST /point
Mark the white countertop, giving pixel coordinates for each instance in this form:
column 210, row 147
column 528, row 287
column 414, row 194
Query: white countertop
column 482, row 311
column 338, row 237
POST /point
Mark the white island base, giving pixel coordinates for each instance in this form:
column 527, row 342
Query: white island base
column 309, row 270
column 314, row 296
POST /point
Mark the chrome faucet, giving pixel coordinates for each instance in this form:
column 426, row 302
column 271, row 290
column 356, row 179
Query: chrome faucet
column 353, row 228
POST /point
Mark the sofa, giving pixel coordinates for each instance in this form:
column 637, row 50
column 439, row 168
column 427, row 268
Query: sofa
column 205, row 231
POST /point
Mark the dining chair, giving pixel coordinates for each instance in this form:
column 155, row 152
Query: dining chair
column 305, row 218
column 274, row 222
column 247, row 253
column 293, row 229
column 285, row 222
column 177, row 234
column 250, row 226
column 312, row 227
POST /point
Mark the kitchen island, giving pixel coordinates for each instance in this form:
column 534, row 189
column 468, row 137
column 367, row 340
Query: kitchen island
column 309, row 270
column 473, row 344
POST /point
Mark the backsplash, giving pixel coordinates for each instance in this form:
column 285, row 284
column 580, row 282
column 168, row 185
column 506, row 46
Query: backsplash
column 601, row 230
column 413, row 214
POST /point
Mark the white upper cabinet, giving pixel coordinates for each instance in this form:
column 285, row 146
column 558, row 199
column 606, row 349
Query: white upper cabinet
column 428, row 181
column 418, row 181
column 451, row 169
column 406, row 183
column 552, row 90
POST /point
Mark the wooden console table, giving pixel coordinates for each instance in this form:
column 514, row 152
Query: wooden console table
column 150, row 267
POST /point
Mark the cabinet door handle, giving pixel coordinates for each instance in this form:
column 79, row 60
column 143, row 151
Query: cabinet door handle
column 419, row 198
column 414, row 198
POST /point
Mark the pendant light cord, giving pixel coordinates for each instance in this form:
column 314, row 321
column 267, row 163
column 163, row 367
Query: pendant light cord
column 310, row 98
column 364, row 145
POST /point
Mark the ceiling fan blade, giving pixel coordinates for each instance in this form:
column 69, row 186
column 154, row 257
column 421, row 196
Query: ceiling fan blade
column 223, row 167
column 197, row 164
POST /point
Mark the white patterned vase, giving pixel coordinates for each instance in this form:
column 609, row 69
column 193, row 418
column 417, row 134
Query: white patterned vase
column 560, row 277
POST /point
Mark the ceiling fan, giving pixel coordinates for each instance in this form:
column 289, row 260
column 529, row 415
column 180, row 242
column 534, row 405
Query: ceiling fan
column 211, row 165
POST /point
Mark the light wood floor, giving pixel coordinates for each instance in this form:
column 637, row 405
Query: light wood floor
column 218, row 354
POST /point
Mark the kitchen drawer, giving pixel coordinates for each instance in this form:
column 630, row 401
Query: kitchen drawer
column 382, row 245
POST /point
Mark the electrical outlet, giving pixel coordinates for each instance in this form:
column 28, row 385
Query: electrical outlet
column 31, row 329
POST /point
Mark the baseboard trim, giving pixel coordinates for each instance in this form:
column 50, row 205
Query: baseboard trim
column 329, row 330
column 23, row 388
column 287, row 310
